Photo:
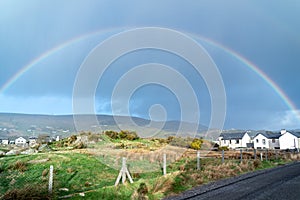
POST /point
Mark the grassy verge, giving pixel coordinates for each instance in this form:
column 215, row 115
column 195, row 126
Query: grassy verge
column 84, row 174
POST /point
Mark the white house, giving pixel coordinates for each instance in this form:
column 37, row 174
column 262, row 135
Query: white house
column 289, row 140
column 266, row 141
column 20, row 141
column 32, row 140
column 5, row 141
column 234, row 140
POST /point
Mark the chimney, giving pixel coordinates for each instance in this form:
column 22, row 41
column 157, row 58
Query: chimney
column 283, row 131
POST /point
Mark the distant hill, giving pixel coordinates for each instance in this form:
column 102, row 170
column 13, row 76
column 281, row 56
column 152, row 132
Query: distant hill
column 29, row 124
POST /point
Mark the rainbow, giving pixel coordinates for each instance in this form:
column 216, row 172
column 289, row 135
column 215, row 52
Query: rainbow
column 253, row 67
column 229, row 51
column 49, row 53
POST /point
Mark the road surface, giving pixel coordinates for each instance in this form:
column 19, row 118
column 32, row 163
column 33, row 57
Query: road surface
column 275, row 184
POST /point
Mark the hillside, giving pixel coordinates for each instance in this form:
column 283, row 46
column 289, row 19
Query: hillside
column 27, row 124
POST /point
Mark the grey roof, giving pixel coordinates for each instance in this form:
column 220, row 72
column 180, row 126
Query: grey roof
column 16, row 137
column 297, row 134
column 270, row 135
column 252, row 134
column 232, row 136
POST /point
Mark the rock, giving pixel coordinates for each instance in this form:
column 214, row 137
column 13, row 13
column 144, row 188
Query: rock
column 63, row 189
column 38, row 161
column 29, row 151
column 81, row 194
column 2, row 153
column 44, row 148
column 12, row 152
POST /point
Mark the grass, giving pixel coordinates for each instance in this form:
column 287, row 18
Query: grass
column 82, row 172
column 71, row 170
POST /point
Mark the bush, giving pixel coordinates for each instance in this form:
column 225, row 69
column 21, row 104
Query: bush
column 2, row 168
column 79, row 145
column 94, row 137
column 132, row 136
column 19, row 165
column 181, row 142
column 123, row 134
column 196, row 144
column 27, row 192
column 142, row 190
column 72, row 139
column 112, row 134
column 223, row 148
column 256, row 163
column 170, row 139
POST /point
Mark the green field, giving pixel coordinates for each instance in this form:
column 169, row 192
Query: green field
column 82, row 172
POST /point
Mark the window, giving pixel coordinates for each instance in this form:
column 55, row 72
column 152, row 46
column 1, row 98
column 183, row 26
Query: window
column 237, row 141
column 273, row 140
column 257, row 141
column 264, row 141
column 229, row 141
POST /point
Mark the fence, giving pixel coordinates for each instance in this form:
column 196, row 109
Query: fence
column 198, row 161
column 239, row 155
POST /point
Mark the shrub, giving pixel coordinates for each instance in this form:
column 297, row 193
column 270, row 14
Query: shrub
column 123, row 134
column 181, row 142
column 2, row 168
column 27, row 192
column 132, row 136
column 170, row 138
column 142, row 190
column 112, row 134
column 256, row 163
column 223, row 148
column 180, row 183
column 94, row 137
column 45, row 173
column 196, row 144
column 19, row 165
column 80, row 145
column 72, row 139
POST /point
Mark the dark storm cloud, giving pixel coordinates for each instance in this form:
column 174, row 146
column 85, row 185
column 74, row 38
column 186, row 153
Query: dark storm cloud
column 266, row 33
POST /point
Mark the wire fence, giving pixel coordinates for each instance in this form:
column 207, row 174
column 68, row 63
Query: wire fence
column 16, row 181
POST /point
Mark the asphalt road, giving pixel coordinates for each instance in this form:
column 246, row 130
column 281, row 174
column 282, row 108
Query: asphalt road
column 275, row 184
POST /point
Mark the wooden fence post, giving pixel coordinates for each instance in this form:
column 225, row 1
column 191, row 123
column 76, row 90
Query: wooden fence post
column 164, row 164
column 50, row 187
column 222, row 156
column 266, row 152
column 254, row 151
column 276, row 152
column 198, row 160
column 261, row 156
column 241, row 155
column 123, row 173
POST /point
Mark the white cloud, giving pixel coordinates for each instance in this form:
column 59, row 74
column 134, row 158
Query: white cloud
column 289, row 119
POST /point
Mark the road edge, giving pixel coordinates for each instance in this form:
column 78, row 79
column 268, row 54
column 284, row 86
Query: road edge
column 201, row 189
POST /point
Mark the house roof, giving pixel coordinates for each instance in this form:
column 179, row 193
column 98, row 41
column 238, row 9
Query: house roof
column 232, row 136
column 16, row 137
column 252, row 134
column 297, row 134
column 269, row 135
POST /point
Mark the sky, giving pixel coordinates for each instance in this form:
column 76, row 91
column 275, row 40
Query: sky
column 254, row 46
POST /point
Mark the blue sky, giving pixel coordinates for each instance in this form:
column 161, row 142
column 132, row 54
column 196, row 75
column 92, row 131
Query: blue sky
column 262, row 32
